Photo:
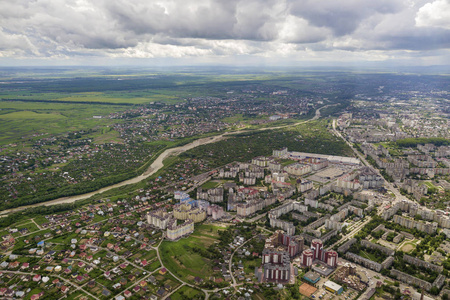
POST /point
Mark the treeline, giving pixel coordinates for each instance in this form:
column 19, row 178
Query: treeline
column 414, row 270
column 40, row 210
column 311, row 137
column 413, row 142
column 377, row 255
column 69, row 102
column 52, row 193
column 112, row 165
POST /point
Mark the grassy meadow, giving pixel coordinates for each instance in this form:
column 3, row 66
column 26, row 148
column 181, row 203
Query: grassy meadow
column 183, row 261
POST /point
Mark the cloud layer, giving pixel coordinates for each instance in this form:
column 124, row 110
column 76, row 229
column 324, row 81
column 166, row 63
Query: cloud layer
column 296, row 30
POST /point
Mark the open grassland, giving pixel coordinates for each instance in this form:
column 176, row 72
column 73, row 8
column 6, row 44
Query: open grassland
column 25, row 114
column 124, row 98
column 210, row 185
column 23, row 119
column 186, row 292
column 182, row 257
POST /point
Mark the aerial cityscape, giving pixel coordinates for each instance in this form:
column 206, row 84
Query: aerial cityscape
column 225, row 150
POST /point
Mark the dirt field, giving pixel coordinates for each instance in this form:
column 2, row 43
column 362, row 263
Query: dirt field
column 307, row 290
column 407, row 248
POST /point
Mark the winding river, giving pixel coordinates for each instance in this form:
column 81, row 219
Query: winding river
column 152, row 169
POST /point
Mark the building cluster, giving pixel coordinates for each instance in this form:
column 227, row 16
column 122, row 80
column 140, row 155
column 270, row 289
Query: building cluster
column 409, row 279
column 252, row 206
column 365, row 178
column 287, row 207
column 291, row 244
column 413, row 187
column 441, row 217
column 433, row 218
column 398, row 237
column 299, row 211
column 280, row 248
column 370, row 264
column 414, row 163
column 421, row 263
column 349, row 275
column 276, row 266
column 246, row 200
column 164, row 220
column 188, row 210
column 212, row 195
column 387, row 263
column 246, row 173
column 410, row 223
column 317, row 253
column 382, row 249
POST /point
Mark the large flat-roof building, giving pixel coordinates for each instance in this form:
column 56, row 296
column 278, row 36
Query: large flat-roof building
column 333, row 287
column 312, row 277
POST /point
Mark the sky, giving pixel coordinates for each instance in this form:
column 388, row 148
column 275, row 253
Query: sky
column 225, row 32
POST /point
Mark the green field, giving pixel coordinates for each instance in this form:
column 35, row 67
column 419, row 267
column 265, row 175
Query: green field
column 31, row 115
column 186, row 292
column 210, row 185
column 20, row 119
column 181, row 258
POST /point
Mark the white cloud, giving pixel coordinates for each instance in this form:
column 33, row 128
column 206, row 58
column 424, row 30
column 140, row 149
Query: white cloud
column 435, row 14
column 217, row 29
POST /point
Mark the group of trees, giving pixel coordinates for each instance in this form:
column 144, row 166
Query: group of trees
column 414, row 270
column 113, row 164
column 243, row 147
column 413, row 142
column 376, row 255
column 369, row 227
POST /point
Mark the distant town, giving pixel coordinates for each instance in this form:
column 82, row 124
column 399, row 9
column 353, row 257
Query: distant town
column 270, row 193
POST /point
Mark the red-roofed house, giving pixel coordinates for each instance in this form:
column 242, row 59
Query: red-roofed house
column 127, row 294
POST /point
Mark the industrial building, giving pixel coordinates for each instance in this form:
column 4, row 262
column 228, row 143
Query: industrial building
column 333, row 287
column 312, row 277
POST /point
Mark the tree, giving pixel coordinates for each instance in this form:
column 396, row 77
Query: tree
column 434, row 291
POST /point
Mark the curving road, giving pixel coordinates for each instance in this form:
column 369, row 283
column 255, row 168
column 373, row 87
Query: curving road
column 154, row 167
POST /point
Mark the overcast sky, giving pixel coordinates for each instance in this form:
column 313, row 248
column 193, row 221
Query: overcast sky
column 284, row 32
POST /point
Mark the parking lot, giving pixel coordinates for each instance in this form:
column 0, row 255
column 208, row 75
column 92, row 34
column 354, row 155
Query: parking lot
column 323, row 294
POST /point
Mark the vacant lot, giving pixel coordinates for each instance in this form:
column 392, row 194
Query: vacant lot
column 184, row 260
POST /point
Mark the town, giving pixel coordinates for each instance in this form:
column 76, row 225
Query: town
column 297, row 198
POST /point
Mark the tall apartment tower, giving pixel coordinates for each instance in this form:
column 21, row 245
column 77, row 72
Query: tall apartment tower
column 317, row 248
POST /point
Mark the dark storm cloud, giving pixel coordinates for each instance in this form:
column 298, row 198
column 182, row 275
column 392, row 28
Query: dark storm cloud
column 251, row 20
column 176, row 28
column 343, row 16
